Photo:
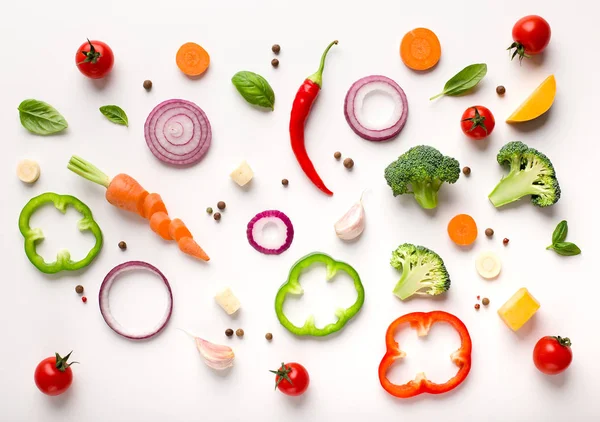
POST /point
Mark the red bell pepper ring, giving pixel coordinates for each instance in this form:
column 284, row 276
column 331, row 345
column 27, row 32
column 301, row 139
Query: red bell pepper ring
column 422, row 322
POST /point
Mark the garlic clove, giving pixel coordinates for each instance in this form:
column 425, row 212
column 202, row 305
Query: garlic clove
column 351, row 224
column 215, row 356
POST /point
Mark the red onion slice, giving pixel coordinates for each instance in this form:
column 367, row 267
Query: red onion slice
column 353, row 108
column 270, row 246
column 178, row 132
column 105, row 305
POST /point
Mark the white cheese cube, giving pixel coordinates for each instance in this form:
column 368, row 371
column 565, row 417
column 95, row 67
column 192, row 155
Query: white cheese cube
column 227, row 300
column 243, row 174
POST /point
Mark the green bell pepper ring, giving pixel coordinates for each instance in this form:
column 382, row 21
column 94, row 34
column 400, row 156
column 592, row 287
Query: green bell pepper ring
column 292, row 287
column 35, row 236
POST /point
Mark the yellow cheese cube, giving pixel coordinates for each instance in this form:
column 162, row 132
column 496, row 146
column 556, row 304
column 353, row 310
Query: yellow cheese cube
column 227, row 300
column 518, row 309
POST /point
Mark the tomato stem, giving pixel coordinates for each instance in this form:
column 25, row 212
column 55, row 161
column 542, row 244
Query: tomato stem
column 563, row 341
column 91, row 56
column 520, row 50
column 283, row 374
column 61, row 363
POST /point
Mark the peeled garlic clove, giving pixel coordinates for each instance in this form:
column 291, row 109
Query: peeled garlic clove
column 215, row 356
column 352, row 224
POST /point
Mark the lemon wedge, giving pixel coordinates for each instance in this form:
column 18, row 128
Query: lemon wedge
column 537, row 103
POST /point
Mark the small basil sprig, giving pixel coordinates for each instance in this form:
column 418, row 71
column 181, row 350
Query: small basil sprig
column 115, row 114
column 558, row 241
column 41, row 118
column 463, row 80
column 254, row 88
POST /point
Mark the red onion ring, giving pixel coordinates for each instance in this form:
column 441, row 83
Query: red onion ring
column 105, row 306
column 258, row 223
column 354, row 103
column 178, row 132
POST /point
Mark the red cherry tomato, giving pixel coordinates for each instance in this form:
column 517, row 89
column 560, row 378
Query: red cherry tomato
column 477, row 122
column 531, row 35
column 552, row 355
column 94, row 59
column 53, row 375
column 291, row 379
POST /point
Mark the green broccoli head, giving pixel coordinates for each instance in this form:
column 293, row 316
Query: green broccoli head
column 423, row 271
column 421, row 171
column 531, row 173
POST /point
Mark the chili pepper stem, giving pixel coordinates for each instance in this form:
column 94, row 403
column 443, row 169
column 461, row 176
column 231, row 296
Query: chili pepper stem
column 88, row 171
column 317, row 77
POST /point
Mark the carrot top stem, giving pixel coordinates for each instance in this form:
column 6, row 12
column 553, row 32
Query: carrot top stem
column 88, row 171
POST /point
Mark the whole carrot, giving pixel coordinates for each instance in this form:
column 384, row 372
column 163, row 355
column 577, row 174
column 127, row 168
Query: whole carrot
column 125, row 192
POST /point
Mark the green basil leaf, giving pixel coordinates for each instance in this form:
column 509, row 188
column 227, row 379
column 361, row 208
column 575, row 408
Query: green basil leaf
column 115, row 114
column 566, row 248
column 41, row 118
column 463, row 80
column 254, row 88
column 560, row 232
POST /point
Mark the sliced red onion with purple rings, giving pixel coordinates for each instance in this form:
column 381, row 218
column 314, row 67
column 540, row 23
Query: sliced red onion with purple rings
column 178, row 132
column 103, row 300
column 353, row 108
column 270, row 246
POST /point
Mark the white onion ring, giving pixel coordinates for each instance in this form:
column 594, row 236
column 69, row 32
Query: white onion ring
column 354, row 103
column 105, row 306
column 178, row 132
column 258, row 223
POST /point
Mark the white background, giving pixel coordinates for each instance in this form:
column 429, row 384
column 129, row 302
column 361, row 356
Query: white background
column 165, row 379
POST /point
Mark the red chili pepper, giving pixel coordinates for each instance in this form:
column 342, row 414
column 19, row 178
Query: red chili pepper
column 422, row 322
column 303, row 102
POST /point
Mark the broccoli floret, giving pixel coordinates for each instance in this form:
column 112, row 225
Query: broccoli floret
column 531, row 173
column 423, row 271
column 421, row 171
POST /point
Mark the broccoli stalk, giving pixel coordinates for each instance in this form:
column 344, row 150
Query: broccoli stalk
column 420, row 172
column 423, row 271
column 531, row 173
column 426, row 192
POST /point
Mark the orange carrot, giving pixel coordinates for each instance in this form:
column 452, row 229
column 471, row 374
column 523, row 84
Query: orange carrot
column 189, row 246
column 126, row 193
column 159, row 223
column 178, row 230
column 153, row 204
column 462, row 229
column 420, row 49
column 192, row 59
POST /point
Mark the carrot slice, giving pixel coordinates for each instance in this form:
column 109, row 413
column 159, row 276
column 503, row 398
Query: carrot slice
column 420, row 49
column 159, row 223
column 462, row 229
column 126, row 193
column 192, row 59
column 178, row 230
column 189, row 246
column 153, row 203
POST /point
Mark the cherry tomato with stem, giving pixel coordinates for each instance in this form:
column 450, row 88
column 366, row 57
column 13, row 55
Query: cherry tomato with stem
column 94, row 59
column 477, row 122
column 53, row 375
column 291, row 379
column 552, row 355
column 531, row 36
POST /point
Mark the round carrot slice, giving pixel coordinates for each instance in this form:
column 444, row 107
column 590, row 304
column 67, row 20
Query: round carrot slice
column 420, row 49
column 462, row 229
column 192, row 59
